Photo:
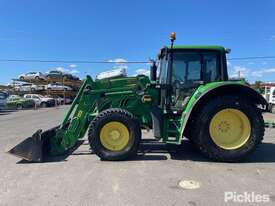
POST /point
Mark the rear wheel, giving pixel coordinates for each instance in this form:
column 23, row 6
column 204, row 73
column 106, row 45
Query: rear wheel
column 228, row 128
column 19, row 107
column 114, row 134
column 273, row 109
column 43, row 105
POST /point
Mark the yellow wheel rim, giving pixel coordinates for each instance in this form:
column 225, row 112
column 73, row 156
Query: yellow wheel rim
column 114, row 136
column 230, row 129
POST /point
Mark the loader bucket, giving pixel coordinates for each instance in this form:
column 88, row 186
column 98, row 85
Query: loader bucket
column 36, row 147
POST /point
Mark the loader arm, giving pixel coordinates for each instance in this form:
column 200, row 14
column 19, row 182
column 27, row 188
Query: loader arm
column 76, row 121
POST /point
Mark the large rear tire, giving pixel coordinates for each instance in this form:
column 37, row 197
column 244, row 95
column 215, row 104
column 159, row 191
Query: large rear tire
column 228, row 128
column 114, row 134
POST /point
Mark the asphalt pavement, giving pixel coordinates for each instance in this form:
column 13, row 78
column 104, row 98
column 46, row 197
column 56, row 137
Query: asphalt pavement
column 157, row 176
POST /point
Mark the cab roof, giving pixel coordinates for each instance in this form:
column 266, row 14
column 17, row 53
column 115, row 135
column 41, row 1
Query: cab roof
column 199, row 47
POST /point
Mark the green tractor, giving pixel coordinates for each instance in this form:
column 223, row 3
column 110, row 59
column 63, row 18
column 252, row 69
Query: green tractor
column 188, row 95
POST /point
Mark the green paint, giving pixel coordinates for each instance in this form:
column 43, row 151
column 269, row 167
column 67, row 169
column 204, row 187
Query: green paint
column 199, row 47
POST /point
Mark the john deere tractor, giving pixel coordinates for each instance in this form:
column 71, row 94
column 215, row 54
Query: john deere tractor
column 188, row 95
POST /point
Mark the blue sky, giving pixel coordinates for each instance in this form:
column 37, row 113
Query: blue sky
column 132, row 30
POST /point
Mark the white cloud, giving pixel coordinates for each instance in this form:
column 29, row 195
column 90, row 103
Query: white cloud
column 61, row 69
column 120, row 63
column 270, row 70
column 239, row 71
column 69, row 71
column 272, row 37
column 118, row 60
column 74, row 71
column 143, row 71
column 257, row 74
column 261, row 72
column 250, row 63
column 245, row 72
column 72, row 65
column 228, row 63
column 264, row 63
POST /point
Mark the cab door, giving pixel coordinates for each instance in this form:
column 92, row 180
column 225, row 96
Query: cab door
column 190, row 70
column 186, row 75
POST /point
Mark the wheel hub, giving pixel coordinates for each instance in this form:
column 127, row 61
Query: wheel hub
column 114, row 136
column 224, row 126
column 230, row 129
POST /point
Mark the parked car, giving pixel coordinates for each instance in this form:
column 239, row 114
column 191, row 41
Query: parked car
column 32, row 75
column 36, row 87
column 27, row 87
column 60, row 100
column 3, row 100
column 58, row 86
column 70, row 77
column 17, row 102
column 41, row 100
column 68, row 100
column 55, row 74
column 15, row 84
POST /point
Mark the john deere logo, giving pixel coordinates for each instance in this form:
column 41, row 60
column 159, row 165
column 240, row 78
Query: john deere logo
column 79, row 113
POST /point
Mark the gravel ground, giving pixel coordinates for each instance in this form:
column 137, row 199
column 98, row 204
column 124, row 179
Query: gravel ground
column 150, row 179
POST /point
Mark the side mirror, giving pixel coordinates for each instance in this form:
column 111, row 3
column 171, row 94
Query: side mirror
column 153, row 71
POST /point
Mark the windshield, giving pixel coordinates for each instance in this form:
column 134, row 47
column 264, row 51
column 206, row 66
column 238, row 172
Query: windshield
column 13, row 97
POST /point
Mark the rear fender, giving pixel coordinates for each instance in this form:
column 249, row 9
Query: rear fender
column 205, row 92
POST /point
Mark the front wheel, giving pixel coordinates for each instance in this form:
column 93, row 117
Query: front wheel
column 114, row 134
column 273, row 109
column 228, row 128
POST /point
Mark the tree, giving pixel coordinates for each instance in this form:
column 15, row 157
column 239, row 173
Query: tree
column 258, row 86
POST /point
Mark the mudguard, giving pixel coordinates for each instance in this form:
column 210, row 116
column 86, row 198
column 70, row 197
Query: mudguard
column 215, row 89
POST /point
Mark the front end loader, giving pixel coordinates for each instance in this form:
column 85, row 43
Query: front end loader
column 191, row 97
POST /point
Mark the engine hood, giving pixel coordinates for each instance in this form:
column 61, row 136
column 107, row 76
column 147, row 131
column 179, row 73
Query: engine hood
column 137, row 82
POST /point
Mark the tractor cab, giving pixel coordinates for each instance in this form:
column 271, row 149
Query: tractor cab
column 181, row 69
